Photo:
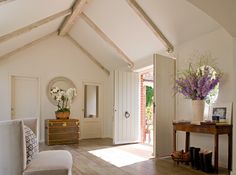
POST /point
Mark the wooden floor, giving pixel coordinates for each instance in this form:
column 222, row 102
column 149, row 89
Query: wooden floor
column 86, row 163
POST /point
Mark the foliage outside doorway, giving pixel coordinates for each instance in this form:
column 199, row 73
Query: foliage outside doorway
column 147, row 93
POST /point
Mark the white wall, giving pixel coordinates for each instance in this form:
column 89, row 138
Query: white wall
column 234, row 106
column 220, row 44
column 55, row 56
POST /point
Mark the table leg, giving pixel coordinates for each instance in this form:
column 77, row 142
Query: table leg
column 230, row 151
column 216, row 149
column 187, row 140
column 174, row 140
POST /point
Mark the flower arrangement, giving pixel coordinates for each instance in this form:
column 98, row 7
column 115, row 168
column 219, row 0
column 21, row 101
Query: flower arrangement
column 197, row 82
column 63, row 98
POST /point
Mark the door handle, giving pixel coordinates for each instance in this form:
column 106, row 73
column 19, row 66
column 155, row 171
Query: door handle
column 154, row 107
column 127, row 114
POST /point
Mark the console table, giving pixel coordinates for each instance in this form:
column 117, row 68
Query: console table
column 214, row 129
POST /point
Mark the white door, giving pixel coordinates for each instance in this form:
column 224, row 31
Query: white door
column 91, row 125
column 164, row 113
column 126, row 107
column 25, row 99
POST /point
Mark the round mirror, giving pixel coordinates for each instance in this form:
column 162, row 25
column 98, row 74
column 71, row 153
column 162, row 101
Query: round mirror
column 213, row 94
column 62, row 83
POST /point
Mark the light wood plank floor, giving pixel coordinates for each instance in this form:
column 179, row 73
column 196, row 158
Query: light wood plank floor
column 86, row 163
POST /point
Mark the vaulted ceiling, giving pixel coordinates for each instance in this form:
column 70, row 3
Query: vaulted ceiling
column 224, row 12
column 113, row 32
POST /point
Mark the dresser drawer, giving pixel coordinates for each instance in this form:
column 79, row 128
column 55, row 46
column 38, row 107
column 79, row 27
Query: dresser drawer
column 63, row 130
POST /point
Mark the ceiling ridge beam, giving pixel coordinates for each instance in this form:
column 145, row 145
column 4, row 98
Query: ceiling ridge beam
column 107, row 39
column 90, row 56
column 34, row 25
column 70, row 20
column 151, row 25
column 28, row 45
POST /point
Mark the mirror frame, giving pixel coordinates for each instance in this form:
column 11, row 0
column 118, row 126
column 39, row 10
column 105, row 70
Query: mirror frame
column 52, row 82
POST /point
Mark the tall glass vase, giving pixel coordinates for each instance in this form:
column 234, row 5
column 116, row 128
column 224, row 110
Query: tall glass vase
column 198, row 110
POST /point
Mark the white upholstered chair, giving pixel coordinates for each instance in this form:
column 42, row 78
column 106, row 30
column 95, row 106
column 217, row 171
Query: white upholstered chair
column 13, row 153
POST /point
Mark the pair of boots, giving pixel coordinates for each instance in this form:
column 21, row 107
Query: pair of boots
column 201, row 160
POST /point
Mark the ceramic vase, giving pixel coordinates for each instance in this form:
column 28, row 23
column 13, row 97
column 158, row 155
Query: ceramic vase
column 198, row 110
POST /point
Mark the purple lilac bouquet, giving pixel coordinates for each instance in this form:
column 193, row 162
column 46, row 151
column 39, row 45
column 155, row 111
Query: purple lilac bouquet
column 196, row 84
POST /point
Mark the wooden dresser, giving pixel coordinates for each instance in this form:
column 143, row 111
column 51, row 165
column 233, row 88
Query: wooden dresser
column 60, row 132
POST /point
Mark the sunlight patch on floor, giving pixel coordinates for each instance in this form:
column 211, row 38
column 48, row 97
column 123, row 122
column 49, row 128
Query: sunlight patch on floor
column 124, row 155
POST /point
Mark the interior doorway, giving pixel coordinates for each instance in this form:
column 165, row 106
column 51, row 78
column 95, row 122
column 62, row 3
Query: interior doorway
column 146, row 106
column 25, row 97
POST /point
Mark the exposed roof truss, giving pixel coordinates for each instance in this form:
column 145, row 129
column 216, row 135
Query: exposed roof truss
column 26, row 46
column 107, row 39
column 70, row 20
column 34, row 25
column 151, row 25
column 90, row 56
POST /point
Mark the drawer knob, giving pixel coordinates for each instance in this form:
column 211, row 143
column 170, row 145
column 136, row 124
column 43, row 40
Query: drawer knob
column 64, row 124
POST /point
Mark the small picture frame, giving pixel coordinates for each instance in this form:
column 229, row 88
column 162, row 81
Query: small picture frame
column 221, row 112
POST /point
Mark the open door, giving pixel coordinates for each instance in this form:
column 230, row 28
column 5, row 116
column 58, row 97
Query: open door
column 126, row 107
column 164, row 110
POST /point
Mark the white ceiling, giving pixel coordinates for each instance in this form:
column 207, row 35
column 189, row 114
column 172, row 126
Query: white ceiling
column 222, row 11
column 20, row 13
column 124, row 27
column 180, row 21
column 23, row 39
column 96, row 46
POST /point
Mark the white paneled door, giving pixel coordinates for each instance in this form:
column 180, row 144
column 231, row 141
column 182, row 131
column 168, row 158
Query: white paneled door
column 25, row 98
column 126, row 107
column 91, row 123
column 164, row 75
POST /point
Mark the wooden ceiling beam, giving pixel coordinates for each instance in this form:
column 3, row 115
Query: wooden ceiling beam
column 90, row 56
column 26, row 46
column 107, row 39
column 5, row 1
column 151, row 25
column 34, row 25
column 70, row 20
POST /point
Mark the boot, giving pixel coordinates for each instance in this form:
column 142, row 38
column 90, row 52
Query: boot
column 202, row 163
column 208, row 168
column 196, row 158
column 191, row 156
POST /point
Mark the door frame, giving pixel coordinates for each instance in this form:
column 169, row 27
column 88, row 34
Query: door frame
column 142, row 71
column 100, row 107
column 154, row 109
column 10, row 78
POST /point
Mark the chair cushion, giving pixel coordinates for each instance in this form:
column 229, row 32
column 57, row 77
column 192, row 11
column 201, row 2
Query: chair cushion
column 56, row 162
column 31, row 144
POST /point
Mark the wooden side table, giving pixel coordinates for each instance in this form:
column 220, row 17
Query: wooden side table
column 214, row 129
